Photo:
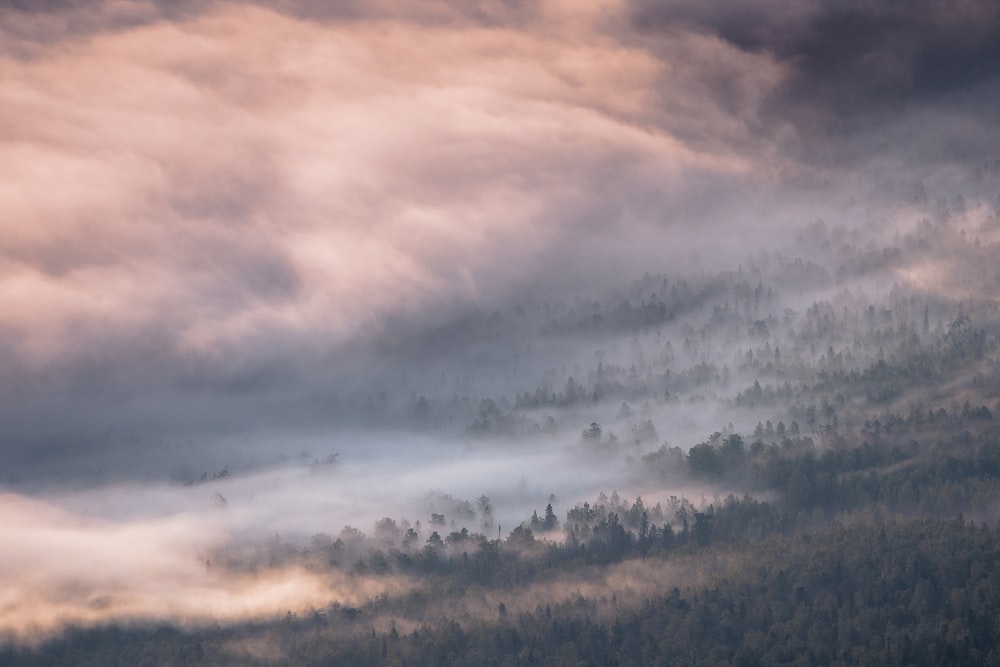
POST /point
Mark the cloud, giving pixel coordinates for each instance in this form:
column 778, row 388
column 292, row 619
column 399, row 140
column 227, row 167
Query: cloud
column 228, row 548
column 195, row 196
column 62, row 568
column 857, row 69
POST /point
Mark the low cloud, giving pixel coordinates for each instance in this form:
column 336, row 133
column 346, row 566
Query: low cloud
column 61, row 568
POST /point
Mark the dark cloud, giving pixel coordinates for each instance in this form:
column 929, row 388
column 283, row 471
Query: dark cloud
column 488, row 13
column 33, row 27
column 855, row 67
column 866, row 51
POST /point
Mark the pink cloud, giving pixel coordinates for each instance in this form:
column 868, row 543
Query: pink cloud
column 245, row 170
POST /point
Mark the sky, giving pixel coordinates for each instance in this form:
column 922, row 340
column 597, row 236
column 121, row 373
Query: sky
column 207, row 207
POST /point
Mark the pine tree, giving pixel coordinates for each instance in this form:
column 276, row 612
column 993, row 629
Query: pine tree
column 550, row 522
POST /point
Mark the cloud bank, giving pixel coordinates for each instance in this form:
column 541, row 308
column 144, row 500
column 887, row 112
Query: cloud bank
column 62, row 568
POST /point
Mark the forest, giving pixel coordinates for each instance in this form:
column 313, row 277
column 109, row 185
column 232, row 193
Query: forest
column 849, row 518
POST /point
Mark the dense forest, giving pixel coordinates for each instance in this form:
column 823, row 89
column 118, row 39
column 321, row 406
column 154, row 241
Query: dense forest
column 846, row 503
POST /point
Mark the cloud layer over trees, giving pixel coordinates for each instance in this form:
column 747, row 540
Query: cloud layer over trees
column 261, row 234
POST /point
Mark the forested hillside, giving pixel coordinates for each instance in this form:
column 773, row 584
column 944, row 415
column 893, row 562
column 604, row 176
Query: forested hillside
column 844, row 507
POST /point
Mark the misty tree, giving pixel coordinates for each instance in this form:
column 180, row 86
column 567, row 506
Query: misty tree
column 644, row 431
column 573, row 391
column 351, row 537
column 550, row 522
column 421, row 410
column 521, row 537
column 592, row 432
column 387, row 531
column 457, row 536
column 811, row 415
column 704, row 460
column 411, row 537
column 485, row 512
column 550, row 425
column 489, row 419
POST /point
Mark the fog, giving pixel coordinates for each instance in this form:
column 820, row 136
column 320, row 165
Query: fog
column 272, row 269
column 63, row 567
column 195, row 552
